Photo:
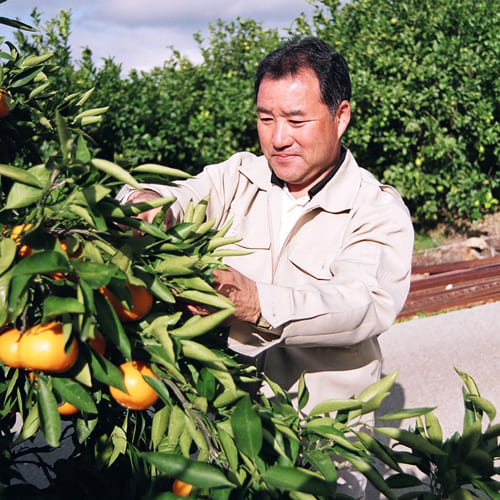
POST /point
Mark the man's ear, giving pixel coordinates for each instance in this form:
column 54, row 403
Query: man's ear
column 343, row 117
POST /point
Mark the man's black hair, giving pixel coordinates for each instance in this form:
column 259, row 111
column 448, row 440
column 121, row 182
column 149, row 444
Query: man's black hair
column 309, row 53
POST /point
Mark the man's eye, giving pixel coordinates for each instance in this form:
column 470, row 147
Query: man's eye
column 296, row 122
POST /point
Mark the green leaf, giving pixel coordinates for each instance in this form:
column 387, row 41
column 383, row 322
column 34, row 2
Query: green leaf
column 462, row 494
column 159, row 387
column 469, row 382
column 16, row 24
column 7, row 253
column 433, row 429
column 303, row 393
column 492, row 431
column 377, row 449
column 294, row 479
column 159, row 425
column 50, row 420
column 82, row 152
column 43, row 262
column 115, row 171
column 20, row 175
column 247, row 428
column 210, row 299
column 206, row 384
column 4, row 293
column 25, row 77
column 198, row 474
column 104, row 371
column 202, row 325
column 89, row 196
column 94, row 274
column 490, row 488
column 33, row 60
column 64, row 134
column 370, row 472
column 74, row 393
column 21, row 195
column 405, row 413
column 56, row 306
column 323, row 463
column 332, row 405
column 484, row 405
column 18, row 295
column 380, row 387
column 403, row 480
column 119, row 441
column 411, row 440
column 31, row 424
column 161, row 170
column 229, row 447
column 113, row 327
column 155, row 285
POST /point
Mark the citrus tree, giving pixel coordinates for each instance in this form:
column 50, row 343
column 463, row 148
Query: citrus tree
column 97, row 348
column 425, row 87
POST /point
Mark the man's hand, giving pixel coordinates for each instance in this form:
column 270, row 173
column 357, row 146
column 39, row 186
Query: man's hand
column 149, row 215
column 239, row 289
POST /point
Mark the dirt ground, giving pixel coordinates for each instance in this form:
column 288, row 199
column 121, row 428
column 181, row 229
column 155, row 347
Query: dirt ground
column 482, row 240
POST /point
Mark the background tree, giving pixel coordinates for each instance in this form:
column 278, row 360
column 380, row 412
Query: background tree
column 426, row 108
column 425, row 81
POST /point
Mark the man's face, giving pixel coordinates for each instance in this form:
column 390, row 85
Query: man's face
column 298, row 135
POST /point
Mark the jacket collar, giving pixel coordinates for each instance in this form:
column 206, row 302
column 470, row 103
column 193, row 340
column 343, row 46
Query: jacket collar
column 335, row 194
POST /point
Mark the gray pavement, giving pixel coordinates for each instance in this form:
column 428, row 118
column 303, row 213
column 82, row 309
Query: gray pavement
column 425, row 352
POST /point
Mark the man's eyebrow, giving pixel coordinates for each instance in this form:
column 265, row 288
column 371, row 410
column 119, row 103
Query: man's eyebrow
column 293, row 112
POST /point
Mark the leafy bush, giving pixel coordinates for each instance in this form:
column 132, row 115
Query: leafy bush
column 425, row 79
column 425, row 86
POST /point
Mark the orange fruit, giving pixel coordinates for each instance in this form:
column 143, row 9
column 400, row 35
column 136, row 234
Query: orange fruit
column 140, row 395
column 98, row 343
column 9, row 348
column 16, row 234
column 142, row 302
column 42, row 348
column 67, row 409
column 4, row 107
column 182, row 489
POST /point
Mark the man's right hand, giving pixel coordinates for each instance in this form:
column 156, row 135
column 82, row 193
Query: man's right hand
column 149, row 215
column 146, row 195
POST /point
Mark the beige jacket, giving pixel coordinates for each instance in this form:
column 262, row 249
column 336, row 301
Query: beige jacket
column 339, row 281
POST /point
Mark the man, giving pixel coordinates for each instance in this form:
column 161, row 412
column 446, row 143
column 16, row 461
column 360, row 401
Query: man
column 331, row 246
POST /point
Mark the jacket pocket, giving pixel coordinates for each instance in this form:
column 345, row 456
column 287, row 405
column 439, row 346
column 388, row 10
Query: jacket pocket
column 313, row 263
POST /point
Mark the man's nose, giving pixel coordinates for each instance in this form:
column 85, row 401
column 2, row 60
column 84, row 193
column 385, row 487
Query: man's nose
column 282, row 136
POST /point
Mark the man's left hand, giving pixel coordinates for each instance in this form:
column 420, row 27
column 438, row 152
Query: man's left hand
column 239, row 289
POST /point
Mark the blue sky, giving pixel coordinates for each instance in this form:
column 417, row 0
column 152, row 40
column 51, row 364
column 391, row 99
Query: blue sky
column 137, row 33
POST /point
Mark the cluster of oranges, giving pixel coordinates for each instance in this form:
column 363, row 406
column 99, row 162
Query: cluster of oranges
column 45, row 348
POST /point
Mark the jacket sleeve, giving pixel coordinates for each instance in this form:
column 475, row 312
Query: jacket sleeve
column 218, row 182
column 368, row 284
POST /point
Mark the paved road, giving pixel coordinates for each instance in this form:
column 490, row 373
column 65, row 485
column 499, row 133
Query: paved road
column 425, row 351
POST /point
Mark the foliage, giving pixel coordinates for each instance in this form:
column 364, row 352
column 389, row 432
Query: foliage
column 425, row 87
column 425, row 80
column 180, row 113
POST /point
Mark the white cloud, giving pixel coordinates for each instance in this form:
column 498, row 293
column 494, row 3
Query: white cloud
column 136, row 33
